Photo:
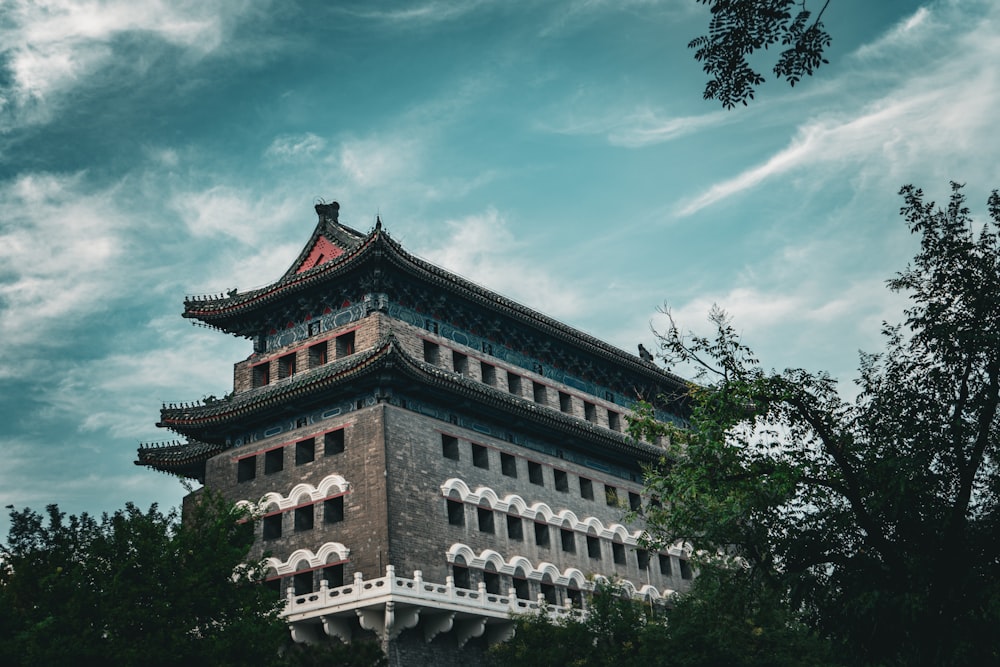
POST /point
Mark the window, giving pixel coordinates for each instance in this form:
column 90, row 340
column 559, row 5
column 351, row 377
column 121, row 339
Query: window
column 549, row 591
column 345, row 344
column 456, row 513
column 304, row 518
column 286, row 366
column 261, row 374
column 460, row 363
column 586, row 488
column 611, row 496
column 449, row 447
column 485, row 517
column 515, row 528
column 487, row 348
column 315, row 327
column 333, row 442
column 274, row 461
column 432, row 353
column 333, row 510
column 614, row 421
column 514, row 383
column 520, row 586
column 246, row 469
column 492, row 581
column 303, row 582
column 575, row 597
column 565, row 402
column 568, row 540
column 333, row 575
column 317, row 354
column 618, row 552
column 480, row 457
column 535, row 473
column 460, row 575
column 642, row 559
column 593, row 546
column 686, row 572
column 634, row 501
column 542, row 534
column 539, row 391
column 665, row 568
column 272, row 527
column 305, row 451
column 562, row 480
column 508, row 465
column 488, row 373
column 590, row 412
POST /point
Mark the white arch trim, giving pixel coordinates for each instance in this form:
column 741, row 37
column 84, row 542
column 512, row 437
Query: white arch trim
column 315, row 559
column 328, row 486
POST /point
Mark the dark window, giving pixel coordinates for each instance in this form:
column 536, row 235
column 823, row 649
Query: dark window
column 315, row 327
column 589, row 412
column 634, row 501
column 492, row 581
column 618, row 552
column 485, row 517
column 456, row 513
column 303, row 583
column 514, row 383
column 665, row 568
column 565, row 402
column 480, row 457
column 333, row 510
column 460, row 575
column 542, row 534
column 305, row 451
column 562, row 480
column 486, row 347
column 642, row 559
column 345, row 344
column 333, row 442
column 304, row 517
column 611, row 496
column 614, row 421
column 432, row 354
column 535, row 473
column 488, row 373
column 334, row 575
column 460, row 363
column 272, row 527
column 286, row 366
column 686, row 572
column 515, row 528
column 549, row 591
column 508, row 465
column 537, row 367
column 431, row 326
column 568, row 540
column 521, row 589
column 274, row 461
column 301, row 421
column 449, row 447
column 261, row 374
column 586, row 488
column 274, row 585
column 246, row 469
column 575, row 598
column 317, row 354
column 539, row 391
column 593, row 546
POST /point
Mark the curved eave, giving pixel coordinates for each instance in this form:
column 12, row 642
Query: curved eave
column 182, row 459
column 389, row 355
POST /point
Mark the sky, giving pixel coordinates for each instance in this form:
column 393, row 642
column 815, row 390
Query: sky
column 559, row 153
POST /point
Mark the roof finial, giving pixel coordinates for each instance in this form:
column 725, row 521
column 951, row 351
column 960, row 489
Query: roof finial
column 378, row 222
column 329, row 212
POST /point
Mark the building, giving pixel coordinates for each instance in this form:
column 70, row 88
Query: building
column 430, row 455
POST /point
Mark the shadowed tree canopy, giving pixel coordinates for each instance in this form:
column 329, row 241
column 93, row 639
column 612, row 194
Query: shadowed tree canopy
column 875, row 521
column 739, row 29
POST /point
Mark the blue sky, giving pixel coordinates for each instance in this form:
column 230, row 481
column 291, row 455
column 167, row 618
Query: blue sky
column 557, row 152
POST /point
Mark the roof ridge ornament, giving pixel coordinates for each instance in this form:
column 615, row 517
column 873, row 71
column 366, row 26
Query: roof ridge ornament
column 328, row 212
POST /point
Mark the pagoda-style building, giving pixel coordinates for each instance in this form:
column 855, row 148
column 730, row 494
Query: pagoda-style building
column 429, row 456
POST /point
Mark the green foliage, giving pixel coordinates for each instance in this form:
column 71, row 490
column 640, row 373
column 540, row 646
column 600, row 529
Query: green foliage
column 741, row 28
column 874, row 521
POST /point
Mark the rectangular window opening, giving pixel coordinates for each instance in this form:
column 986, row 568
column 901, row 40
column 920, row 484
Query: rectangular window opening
column 549, row 591
column 686, row 572
column 456, row 513
column 634, row 501
column 449, row 447
column 345, row 344
column 562, row 480
column 611, row 496
column 317, row 354
column 460, row 363
column 618, row 552
column 333, row 510
column 541, row 534
column 593, row 546
column 246, row 469
column 333, row 575
column 665, row 569
column 568, row 540
column 304, row 518
column 514, row 383
column 315, row 327
column 488, row 373
column 521, row 589
column 614, row 421
column 642, row 559
column 303, row 582
column 272, row 527
column 590, row 412
column 485, row 518
column 261, row 374
column 565, row 402
column 305, row 451
column 492, row 581
column 286, row 366
column 274, row 461
column 432, row 353
column 515, row 528
column 535, row 473
column 480, row 457
column 460, row 576
column 586, row 488
column 508, row 465
column 539, row 392
column 333, row 442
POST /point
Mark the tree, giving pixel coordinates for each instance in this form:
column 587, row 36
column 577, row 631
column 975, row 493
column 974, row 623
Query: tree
column 740, row 28
column 874, row 521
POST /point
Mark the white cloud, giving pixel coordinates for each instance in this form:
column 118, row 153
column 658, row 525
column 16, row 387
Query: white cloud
column 434, row 11
column 231, row 212
column 376, row 162
column 637, row 128
column 294, row 146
